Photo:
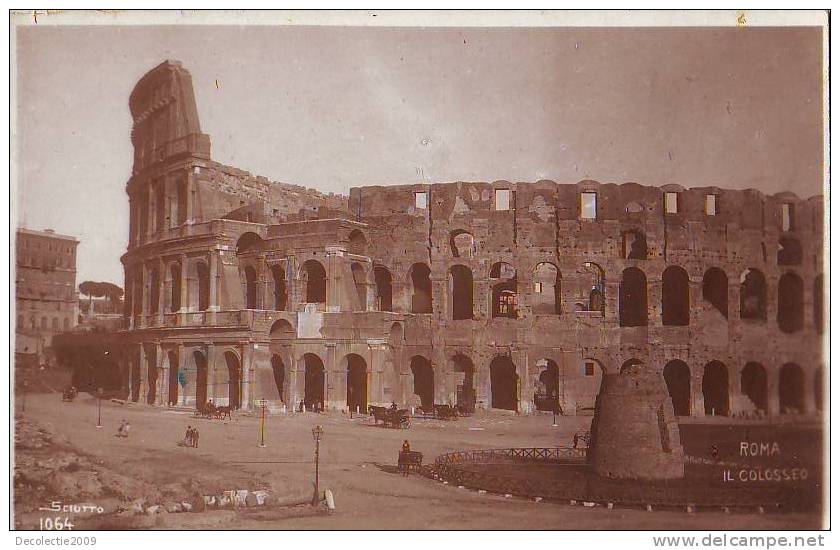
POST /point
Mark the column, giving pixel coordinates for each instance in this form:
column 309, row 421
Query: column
column 214, row 283
column 773, row 406
column 246, row 376
column 162, row 379
column 184, row 272
column 161, row 291
column 143, row 375
column 182, row 364
column 697, row 403
column 332, row 397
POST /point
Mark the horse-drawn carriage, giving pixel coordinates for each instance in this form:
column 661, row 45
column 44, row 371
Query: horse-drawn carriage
column 441, row 412
column 408, row 460
column 390, row 418
column 209, row 410
column 69, row 394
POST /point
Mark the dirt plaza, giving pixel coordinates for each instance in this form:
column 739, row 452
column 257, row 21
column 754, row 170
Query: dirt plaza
column 357, row 465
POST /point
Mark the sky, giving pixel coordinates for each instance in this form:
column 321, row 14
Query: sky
column 339, row 107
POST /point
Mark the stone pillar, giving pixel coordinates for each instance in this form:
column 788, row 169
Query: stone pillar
column 697, row 402
column 332, row 385
column 246, row 377
column 773, row 406
column 182, row 365
column 292, row 395
column 189, row 196
column 161, row 291
column 184, row 283
column 211, row 372
column 525, row 402
column 143, row 368
column 162, row 379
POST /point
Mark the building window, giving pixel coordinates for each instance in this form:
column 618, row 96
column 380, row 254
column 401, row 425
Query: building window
column 711, row 205
column 588, row 205
column 538, row 288
column 671, row 202
column 787, row 217
column 589, row 369
column 502, row 199
column 421, row 200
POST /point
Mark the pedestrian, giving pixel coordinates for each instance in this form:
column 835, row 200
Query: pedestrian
column 195, row 438
column 188, row 437
column 126, row 428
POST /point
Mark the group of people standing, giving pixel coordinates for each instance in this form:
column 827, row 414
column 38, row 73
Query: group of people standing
column 191, row 438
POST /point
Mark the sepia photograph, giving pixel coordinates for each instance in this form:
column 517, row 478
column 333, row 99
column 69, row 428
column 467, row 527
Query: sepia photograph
column 459, row 271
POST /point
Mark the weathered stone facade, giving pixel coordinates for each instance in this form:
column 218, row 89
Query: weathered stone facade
column 504, row 295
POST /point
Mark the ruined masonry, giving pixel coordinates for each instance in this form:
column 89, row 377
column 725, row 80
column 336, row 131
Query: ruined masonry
column 483, row 295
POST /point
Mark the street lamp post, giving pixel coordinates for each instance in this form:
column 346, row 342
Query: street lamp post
column 262, row 422
column 99, row 406
column 317, row 432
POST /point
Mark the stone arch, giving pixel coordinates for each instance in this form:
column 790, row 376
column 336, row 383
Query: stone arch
column 278, row 368
column 595, row 288
column 464, row 382
column 675, row 297
column 138, row 292
column 154, row 291
column 461, row 244
column 360, row 284
column 357, row 383
column 677, row 377
column 315, row 282
column 357, row 243
column 313, row 381
column 503, row 285
column 198, row 286
column 546, row 289
column 716, row 389
column 461, row 291
column 176, row 377
column 791, row 312
column 281, row 331
column 384, row 288
column 629, row 364
column 716, row 289
column 250, row 287
column 504, row 384
column 547, row 385
column 174, row 287
column 200, row 361
column 633, row 244
column 790, row 252
column 791, row 389
column 278, row 277
column 633, row 299
column 234, row 387
column 818, row 303
column 424, row 380
column 753, row 295
column 396, row 335
column 421, row 288
column 754, row 384
column 248, row 242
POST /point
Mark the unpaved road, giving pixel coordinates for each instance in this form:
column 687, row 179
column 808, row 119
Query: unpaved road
column 356, row 464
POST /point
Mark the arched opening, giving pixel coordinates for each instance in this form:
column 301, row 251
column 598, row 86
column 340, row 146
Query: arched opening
column 202, row 273
column 503, row 284
column 421, row 288
column 176, row 378
column 678, row 380
column 791, row 389
column 279, row 370
column 250, row 287
column 716, row 290
column 424, row 380
column 234, row 380
column 200, row 378
column 138, row 295
column 504, row 384
column 313, row 382
column 632, row 300
column 154, row 291
column 675, row 300
column 633, row 245
column 356, row 383
column 464, row 383
column 547, row 386
column 629, row 365
column 152, row 376
column 281, row 330
column 818, row 303
column 279, row 278
column 790, row 252
column 754, row 385
column 594, row 288
column 546, row 294
column 462, row 244
column 716, row 389
column 384, row 288
column 316, row 282
column 357, row 243
column 461, row 281
column 360, row 284
column 818, row 389
column 174, row 287
column 249, row 242
column 753, row 295
column 791, row 313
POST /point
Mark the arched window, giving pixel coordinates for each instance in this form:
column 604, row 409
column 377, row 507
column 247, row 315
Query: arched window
column 632, row 300
column 461, row 289
column 174, row 287
column 384, row 288
column 547, row 385
column 154, row 291
column 202, row 273
column 675, row 300
column 421, row 288
column 357, row 243
column 279, row 278
column 462, row 244
column 250, row 287
column 754, row 385
column 279, row 371
column 716, row 389
column 503, row 281
column 504, row 384
column 424, row 380
column 791, row 389
column 790, row 252
column 316, row 282
column 546, row 289
column 138, row 293
column 753, row 295
column 594, row 288
column 234, row 379
column 716, row 290
column 633, row 245
column 356, row 383
column 360, row 283
column 464, row 382
column 678, row 380
column 55, row 324
column 791, row 311
column 313, row 387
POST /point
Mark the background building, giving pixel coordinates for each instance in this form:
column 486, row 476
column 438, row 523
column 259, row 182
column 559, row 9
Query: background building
column 46, row 301
column 490, row 295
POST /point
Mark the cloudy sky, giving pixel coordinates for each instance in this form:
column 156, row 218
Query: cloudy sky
column 333, row 108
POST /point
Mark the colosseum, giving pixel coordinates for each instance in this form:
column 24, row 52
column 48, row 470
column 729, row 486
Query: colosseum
column 497, row 295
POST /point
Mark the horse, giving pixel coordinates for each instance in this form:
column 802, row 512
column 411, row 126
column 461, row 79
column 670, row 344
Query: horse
column 222, row 412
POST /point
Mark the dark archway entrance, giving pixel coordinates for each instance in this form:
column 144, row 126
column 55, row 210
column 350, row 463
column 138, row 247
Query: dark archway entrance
column 424, row 380
column 791, row 313
column 384, row 289
column 200, row 378
column 716, row 290
column 632, row 300
column 356, row 383
column 791, row 389
column 279, row 278
column 754, row 384
column 753, row 295
column 678, row 379
column 234, row 380
column 675, row 300
column 504, row 384
column 421, row 288
column 279, row 370
column 465, row 387
column 175, row 378
column 316, row 282
column 716, row 389
column 461, row 292
column 547, row 390
column 250, row 288
column 313, row 381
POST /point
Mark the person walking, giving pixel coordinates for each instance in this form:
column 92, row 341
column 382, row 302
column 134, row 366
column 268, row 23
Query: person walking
column 195, row 438
column 188, row 437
